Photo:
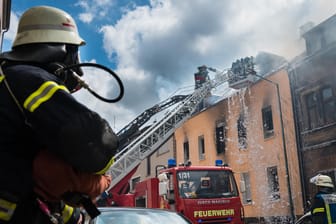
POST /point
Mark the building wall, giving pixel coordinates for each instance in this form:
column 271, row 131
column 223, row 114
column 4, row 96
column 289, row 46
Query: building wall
column 315, row 110
column 259, row 153
column 317, row 138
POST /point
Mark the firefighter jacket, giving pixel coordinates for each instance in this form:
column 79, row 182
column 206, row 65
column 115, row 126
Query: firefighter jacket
column 324, row 208
column 38, row 112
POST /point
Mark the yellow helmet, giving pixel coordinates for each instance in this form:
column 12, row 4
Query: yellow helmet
column 45, row 24
column 322, row 181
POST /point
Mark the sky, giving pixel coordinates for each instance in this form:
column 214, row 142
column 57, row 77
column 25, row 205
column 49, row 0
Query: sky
column 155, row 46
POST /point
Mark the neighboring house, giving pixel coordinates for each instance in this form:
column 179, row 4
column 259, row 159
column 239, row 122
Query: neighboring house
column 313, row 81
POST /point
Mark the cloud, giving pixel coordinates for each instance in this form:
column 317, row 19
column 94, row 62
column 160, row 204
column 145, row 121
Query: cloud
column 86, row 17
column 158, row 47
column 94, row 10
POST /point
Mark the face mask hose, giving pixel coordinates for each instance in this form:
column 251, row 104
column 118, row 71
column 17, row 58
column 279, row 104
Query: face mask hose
column 83, row 84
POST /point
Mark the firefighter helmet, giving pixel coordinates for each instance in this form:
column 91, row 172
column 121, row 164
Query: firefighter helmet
column 45, row 24
column 322, row 181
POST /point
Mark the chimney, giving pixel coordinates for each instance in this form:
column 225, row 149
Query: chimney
column 305, row 28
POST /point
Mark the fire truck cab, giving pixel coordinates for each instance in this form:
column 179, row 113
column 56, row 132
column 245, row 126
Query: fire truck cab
column 204, row 194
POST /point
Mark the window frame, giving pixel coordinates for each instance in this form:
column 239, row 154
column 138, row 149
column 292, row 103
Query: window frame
column 186, row 151
column 241, row 132
column 267, row 118
column 201, row 147
column 273, row 183
column 326, row 101
column 319, row 109
column 220, row 137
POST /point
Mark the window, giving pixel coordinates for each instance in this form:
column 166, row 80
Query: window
column 267, row 119
column 134, row 181
column 273, row 183
column 186, row 151
column 220, row 138
column 329, row 105
column 321, row 107
column 201, row 147
column 149, row 166
column 314, row 42
column 245, row 188
column 312, row 110
column 206, row 184
column 241, row 127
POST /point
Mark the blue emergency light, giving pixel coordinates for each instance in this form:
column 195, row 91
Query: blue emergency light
column 171, row 162
column 219, row 162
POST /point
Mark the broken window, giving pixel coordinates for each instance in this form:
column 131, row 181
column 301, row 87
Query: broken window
column 186, row 151
column 267, row 119
column 220, row 138
column 201, row 147
column 241, row 127
column 245, row 188
column 273, row 183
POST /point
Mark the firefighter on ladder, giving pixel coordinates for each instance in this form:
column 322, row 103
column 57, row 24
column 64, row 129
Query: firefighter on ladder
column 38, row 112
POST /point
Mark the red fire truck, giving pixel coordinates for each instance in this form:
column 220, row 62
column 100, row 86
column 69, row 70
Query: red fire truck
column 204, row 194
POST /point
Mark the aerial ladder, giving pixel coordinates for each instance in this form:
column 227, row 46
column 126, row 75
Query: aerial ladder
column 130, row 157
column 131, row 130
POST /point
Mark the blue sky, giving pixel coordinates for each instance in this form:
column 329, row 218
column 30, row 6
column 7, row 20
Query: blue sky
column 156, row 45
column 87, row 20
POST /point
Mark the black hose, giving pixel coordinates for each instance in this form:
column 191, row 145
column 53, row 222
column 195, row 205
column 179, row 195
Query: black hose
column 83, row 84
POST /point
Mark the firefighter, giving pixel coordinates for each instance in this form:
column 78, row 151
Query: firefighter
column 323, row 208
column 37, row 111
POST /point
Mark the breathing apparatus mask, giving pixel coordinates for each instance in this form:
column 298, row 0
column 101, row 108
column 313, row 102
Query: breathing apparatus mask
column 68, row 76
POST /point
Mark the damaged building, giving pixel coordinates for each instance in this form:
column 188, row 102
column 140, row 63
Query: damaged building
column 313, row 85
column 245, row 130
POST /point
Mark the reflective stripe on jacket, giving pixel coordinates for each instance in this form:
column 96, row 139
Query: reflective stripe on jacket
column 44, row 115
column 324, row 208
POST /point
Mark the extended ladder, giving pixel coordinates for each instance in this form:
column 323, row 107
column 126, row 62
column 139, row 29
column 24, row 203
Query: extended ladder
column 150, row 140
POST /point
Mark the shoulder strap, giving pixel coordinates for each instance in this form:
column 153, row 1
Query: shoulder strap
column 3, row 79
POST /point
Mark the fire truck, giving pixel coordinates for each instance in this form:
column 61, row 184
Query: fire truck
column 204, row 194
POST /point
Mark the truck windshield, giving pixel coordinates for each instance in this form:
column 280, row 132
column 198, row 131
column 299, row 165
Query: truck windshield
column 206, row 184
